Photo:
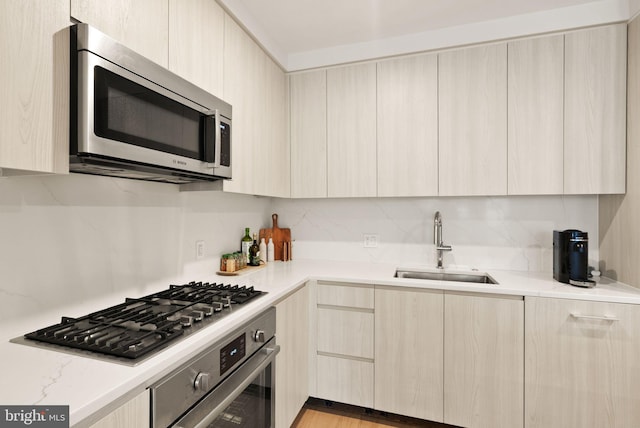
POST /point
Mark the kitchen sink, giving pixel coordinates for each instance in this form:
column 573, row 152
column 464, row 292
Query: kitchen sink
column 443, row 275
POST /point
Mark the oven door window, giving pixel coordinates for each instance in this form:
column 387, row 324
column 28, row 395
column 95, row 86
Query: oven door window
column 245, row 399
column 252, row 408
column 131, row 113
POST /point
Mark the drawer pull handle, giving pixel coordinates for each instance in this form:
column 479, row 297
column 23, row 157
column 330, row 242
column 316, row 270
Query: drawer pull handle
column 595, row 317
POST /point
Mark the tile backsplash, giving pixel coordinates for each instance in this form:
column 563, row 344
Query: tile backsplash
column 512, row 232
column 79, row 238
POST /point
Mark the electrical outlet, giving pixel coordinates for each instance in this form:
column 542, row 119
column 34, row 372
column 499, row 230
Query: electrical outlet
column 370, row 240
column 199, row 250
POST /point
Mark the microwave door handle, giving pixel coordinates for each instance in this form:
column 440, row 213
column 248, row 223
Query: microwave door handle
column 217, row 145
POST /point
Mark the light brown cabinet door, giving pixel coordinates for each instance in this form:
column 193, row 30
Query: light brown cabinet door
column 351, row 131
column 272, row 153
column 244, row 66
column 256, row 88
column 473, row 121
column 133, row 413
column 407, row 122
column 196, row 43
column 34, row 88
column 483, row 361
column 308, row 98
column 582, row 365
column 292, row 363
column 409, row 352
column 142, row 25
column 536, row 114
column 595, row 110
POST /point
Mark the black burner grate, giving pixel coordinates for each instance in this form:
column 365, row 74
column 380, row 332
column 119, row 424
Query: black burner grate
column 138, row 326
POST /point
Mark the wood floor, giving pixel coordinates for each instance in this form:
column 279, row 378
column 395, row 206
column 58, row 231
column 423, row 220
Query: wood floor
column 317, row 414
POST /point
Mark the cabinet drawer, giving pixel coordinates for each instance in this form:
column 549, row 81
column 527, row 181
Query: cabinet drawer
column 349, row 295
column 345, row 380
column 345, row 332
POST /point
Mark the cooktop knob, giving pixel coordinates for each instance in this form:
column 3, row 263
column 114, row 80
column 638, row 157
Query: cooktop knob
column 186, row 321
column 202, row 382
column 258, row 336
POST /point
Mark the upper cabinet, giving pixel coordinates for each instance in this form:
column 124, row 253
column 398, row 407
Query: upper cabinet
column 535, row 116
column 473, row 121
column 308, row 103
column 256, row 88
column 567, row 100
column 196, row 42
column 351, row 131
column 407, row 120
column 34, row 88
column 541, row 115
column 271, row 149
column 142, row 25
column 595, row 105
column 242, row 64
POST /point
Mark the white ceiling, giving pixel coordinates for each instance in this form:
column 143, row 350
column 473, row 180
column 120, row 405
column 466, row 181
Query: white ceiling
column 304, row 33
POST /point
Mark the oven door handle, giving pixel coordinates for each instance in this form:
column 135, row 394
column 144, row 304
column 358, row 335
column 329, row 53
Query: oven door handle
column 269, row 354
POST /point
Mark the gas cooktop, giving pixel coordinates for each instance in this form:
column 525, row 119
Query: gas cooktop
column 142, row 326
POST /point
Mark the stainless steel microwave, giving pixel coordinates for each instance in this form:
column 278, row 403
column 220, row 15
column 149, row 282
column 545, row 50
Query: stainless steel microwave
column 132, row 118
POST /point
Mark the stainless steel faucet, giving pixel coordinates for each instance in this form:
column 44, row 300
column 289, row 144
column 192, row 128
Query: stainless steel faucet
column 437, row 238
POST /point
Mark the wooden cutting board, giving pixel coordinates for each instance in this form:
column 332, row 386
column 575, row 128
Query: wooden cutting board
column 281, row 239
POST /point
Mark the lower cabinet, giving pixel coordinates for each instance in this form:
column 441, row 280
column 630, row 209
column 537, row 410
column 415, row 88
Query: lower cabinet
column 345, row 380
column 449, row 357
column 292, row 363
column 456, row 358
column 582, row 364
column 477, row 360
column 133, row 413
column 344, row 360
column 409, row 355
column 483, row 360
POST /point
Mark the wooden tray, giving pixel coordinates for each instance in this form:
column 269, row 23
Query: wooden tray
column 243, row 271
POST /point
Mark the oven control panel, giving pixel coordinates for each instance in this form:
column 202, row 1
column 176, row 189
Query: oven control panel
column 232, row 353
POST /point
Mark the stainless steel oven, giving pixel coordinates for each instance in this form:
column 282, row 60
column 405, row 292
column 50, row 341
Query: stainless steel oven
column 232, row 384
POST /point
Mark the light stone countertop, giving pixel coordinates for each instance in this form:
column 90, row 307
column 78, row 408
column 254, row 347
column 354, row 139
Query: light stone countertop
column 92, row 388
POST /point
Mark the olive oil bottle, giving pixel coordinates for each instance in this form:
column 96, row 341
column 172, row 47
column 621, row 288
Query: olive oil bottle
column 245, row 243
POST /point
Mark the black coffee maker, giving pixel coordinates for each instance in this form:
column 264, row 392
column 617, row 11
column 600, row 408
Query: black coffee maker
column 570, row 257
